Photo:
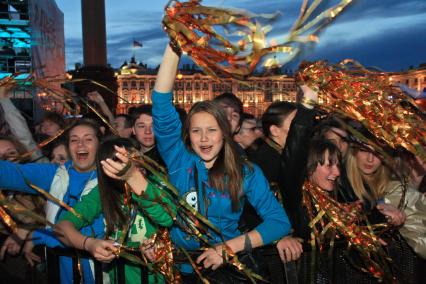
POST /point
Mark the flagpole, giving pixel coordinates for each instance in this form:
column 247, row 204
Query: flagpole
column 133, row 48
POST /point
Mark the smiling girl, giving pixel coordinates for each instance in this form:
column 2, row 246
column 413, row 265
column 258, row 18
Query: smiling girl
column 68, row 182
column 204, row 166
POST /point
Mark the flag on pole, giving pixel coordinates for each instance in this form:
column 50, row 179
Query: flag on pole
column 137, row 43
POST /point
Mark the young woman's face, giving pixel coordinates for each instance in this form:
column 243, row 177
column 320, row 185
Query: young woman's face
column 339, row 138
column 281, row 132
column 325, row 175
column 83, row 145
column 206, row 137
column 367, row 162
column 8, row 151
column 143, row 132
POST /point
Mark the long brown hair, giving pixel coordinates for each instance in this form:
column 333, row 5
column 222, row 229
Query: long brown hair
column 226, row 174
column 111, row 190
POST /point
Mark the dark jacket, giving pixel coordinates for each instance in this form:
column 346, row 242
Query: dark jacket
column 287, row 169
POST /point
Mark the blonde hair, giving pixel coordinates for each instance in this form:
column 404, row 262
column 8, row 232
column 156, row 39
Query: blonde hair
column 377, row 182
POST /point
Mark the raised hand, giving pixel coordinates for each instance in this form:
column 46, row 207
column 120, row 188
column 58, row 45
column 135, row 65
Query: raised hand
column 121, row 168
column 393, row 215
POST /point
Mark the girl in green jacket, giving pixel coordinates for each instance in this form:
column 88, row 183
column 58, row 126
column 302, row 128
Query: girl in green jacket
column 138, row 215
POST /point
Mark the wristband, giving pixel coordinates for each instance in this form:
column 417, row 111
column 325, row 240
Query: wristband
column 309, row 102
column 84, row 243
column 175, row 47
column 247, row 243
column 124, row 170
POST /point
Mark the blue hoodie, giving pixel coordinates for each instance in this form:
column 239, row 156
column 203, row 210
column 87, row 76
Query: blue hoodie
column 12, row 178
column 181, row 164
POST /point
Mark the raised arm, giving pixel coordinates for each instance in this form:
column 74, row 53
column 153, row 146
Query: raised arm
column 167, row 125
column 17, row 123
column 167, row 73
column 124, row 170
column 294, row 155
column 149, row 198
column 99, row 100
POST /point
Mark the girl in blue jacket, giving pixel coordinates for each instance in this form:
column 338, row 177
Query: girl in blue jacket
column 68, row 183
column 209, row 174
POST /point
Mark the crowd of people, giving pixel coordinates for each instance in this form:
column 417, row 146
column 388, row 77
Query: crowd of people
column 271, row 187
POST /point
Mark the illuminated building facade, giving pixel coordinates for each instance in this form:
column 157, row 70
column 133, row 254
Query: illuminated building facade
column 414, row 79
column 136, row 82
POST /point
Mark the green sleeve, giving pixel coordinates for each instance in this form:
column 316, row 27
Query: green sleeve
column 89, row 208
column 157, row 204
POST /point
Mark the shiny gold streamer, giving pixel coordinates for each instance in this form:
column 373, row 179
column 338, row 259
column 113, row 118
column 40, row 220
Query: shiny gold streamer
column 17, row 208
column 197, row 224
column 346, row 220
column 44, row 143
column 5, row 217
column 191, row 26
column 50, row 197
column 370, row 98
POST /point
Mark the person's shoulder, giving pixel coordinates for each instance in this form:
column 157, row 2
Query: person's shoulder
column 251, row 170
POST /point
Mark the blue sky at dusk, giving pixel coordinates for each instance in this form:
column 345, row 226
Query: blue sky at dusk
column 389, row 34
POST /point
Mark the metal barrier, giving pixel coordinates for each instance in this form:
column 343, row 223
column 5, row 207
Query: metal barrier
column 53, row 270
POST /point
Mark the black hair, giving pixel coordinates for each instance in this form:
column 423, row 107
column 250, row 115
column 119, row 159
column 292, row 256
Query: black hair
column 316, row 155
column 111, row 190
column 143, row 109
column 275, row 115
column 128, row 120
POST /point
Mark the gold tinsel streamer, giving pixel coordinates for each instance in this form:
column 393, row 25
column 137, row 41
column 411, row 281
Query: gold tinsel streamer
column 196, row 224
column 191, row 26
column 5, row 217
column 347, row 221
column 163, row 262
column 370, row 98
column 16, row 208
column 61, row 95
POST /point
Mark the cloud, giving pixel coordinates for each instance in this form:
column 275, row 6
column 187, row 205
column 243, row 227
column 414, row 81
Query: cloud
column 376, row 32
column 394, row 50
